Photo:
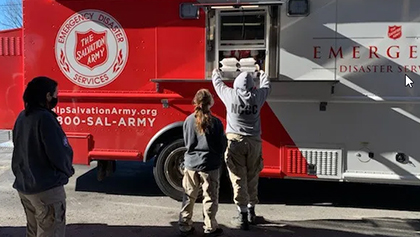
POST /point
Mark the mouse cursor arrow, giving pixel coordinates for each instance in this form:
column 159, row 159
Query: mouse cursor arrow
column 408, row 81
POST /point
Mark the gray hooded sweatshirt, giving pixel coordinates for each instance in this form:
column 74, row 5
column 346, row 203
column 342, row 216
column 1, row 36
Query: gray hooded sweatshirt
column 243, row 102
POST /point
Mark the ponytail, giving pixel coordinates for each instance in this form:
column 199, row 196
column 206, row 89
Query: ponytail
column 203, row 100
column 202, row 119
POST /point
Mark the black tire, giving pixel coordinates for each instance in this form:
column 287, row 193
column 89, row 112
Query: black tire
column 168, row 169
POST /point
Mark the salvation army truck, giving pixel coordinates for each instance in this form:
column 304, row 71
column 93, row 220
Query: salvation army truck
column 345, row 80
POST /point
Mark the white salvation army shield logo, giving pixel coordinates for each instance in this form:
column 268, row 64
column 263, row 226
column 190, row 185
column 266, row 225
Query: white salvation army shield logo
column 91, row 48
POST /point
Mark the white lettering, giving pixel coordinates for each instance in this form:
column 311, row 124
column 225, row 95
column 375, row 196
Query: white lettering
column 76, row 121
column 99, row 122
column 151, row 121
column 122, row 122
column 74, row 116
column 141, row 122
column 152, row 112
column 106, row 122
column 67, row 120
column 90, row 121
column 60, row 120
column 131, row 122
column 93, row 51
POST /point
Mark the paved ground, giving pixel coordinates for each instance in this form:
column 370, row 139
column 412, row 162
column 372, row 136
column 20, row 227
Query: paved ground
column 130, row 204
column 5, row 138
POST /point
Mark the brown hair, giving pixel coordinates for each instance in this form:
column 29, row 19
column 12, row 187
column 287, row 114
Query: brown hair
column 203, row 100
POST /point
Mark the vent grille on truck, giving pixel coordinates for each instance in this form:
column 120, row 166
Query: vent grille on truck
column 10, row 46
column 324, row 163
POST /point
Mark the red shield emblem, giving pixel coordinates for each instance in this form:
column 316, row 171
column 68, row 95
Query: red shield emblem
column 394, row 32
column 91, row 48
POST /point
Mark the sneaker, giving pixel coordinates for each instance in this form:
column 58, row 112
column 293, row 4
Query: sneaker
column 251, row 215
column 217, row 232
column 241, row 221
column 187, row 233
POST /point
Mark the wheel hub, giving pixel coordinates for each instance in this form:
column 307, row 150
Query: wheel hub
column 174, row 168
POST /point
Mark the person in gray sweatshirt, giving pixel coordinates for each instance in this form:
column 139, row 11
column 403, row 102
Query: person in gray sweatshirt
column 41, row 161
column 205, row 141
column 243, row 156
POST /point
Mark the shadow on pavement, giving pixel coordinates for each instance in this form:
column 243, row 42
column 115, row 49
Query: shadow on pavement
column 315, row 228
column 130, row 178
column 136, row 178
column 324, row 193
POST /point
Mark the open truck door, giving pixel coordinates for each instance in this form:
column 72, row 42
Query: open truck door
column 241, row 34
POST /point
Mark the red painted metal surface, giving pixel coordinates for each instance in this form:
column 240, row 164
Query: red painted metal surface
column 295, row 163
column 160, row 45
column 114, row 155
column 114, row 95
column 11, row 77
column 81, row 143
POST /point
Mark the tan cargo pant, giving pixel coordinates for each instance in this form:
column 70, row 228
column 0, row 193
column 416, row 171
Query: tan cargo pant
column 45, row 213
column 210, row 183
column 244, row 163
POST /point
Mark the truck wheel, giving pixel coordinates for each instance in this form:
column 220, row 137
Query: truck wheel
column 168, row 171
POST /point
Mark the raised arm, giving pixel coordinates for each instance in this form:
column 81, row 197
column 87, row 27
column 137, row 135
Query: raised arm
column 265, row 87
column 222, row 90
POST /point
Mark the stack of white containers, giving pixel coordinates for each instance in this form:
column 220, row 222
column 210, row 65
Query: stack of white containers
column 229, row 65
column 248, row 64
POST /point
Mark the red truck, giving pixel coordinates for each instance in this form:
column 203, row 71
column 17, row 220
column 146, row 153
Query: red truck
column 128, row 70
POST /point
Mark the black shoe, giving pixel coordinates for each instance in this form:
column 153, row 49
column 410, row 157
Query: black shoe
column 187, row 233
column 241, row 221
column 251, row 215
column 217, row 232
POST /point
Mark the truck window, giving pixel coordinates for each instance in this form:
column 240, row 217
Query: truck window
column 242, row 39
column 242, row 27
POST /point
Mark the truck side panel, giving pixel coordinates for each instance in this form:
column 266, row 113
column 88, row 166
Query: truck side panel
column 372, row 118
column 181, row 42
column 11, row 77
column 108, row 105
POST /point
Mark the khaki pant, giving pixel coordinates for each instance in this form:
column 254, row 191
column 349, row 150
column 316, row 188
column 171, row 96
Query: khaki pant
column 45, row 213
column 244, row 162
column 210, row 183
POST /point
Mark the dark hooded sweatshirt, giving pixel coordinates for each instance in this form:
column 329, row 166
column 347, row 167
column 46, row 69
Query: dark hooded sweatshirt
column 42, row 157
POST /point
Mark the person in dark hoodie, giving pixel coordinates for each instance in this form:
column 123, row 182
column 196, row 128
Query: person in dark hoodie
column 42, row 160
column 205, row 141
column 243, row 155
